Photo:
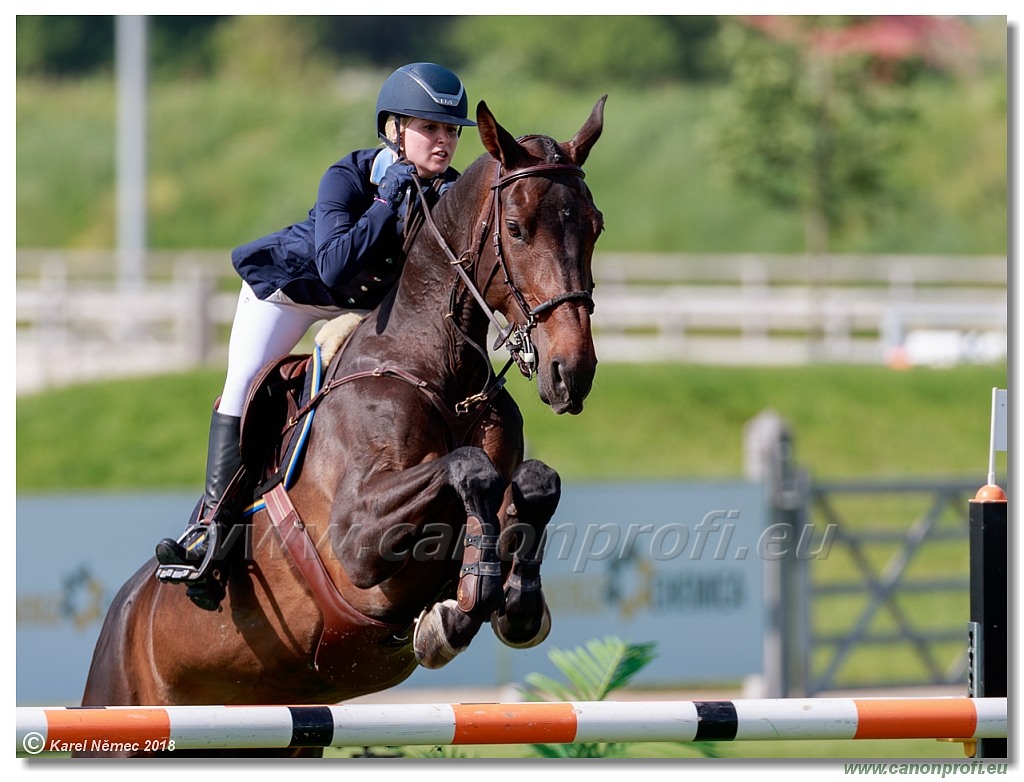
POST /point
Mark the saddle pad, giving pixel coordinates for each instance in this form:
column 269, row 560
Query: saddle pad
column 274, row 449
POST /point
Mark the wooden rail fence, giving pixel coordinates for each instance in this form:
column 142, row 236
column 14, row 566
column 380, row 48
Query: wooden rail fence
column 75, row 322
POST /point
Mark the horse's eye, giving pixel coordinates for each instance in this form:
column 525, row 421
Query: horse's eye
column 513, row 229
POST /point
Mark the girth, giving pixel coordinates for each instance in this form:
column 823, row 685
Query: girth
column 344, row 626
column 461, row 420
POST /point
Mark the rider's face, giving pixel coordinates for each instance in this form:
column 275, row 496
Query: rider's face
column 430, row 145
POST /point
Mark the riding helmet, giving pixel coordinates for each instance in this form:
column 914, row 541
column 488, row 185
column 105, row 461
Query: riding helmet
column 423, row 90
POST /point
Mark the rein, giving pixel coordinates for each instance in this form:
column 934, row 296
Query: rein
column 515, row 337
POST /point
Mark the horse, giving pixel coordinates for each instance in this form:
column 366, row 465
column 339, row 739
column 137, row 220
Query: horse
column 415, row 518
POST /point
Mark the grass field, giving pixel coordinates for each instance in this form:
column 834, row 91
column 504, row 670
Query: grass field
column 742, row 751
column 640, row 422
column 833, row 750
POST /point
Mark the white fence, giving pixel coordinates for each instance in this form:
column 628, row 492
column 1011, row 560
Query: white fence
column 75, row 323
column 760, row 309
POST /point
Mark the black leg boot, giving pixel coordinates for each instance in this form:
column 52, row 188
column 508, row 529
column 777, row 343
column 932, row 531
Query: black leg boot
column 222, row 463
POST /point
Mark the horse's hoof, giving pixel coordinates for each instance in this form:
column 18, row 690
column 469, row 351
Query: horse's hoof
column 429, row 642
column 501, row 628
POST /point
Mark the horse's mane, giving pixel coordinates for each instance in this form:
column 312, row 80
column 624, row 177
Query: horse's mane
column 449, row 213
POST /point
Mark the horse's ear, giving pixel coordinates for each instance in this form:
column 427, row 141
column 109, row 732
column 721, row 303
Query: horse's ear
column 580, row 145
column 497, row 141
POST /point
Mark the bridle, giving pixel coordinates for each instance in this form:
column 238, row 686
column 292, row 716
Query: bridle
column 514, row 337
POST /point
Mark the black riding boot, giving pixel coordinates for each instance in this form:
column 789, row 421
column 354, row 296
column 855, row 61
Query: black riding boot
column 222, row 462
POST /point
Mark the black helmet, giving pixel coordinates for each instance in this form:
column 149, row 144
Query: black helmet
column 423, row 90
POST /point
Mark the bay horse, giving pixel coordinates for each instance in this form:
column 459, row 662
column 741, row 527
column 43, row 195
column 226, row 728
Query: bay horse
column 414, row 511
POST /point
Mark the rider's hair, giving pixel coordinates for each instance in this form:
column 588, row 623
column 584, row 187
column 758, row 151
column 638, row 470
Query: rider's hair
column 392, row 129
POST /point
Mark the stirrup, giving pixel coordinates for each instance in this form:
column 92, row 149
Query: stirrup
column 185, row 573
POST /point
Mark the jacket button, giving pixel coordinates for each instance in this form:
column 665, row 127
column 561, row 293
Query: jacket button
column 363, row 288
column 351, row 301
column 389, row 260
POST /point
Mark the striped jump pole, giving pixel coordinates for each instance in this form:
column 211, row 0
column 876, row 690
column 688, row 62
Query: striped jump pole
column 234, row 727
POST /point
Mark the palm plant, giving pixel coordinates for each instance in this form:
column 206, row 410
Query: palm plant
column 593, row 672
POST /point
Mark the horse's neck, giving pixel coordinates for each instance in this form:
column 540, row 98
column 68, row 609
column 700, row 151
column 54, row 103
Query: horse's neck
column 423, row 309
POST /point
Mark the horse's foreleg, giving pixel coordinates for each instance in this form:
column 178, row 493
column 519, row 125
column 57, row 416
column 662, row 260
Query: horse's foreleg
column 395, row 510
column 523, row 620
column 446, row 628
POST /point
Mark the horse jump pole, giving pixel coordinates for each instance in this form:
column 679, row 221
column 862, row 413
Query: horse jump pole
column 227, row 727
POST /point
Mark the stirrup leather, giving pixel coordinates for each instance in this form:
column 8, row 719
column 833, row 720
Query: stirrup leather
column 184, row 573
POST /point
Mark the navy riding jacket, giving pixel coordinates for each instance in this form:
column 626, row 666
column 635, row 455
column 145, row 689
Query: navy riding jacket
column 347, row 252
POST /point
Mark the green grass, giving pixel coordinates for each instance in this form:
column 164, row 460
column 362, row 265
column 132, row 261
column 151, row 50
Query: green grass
column 640, row 422
column 738, row 750
column 677, row 421
column 223, row 169
column 770, row 751
column 133, row 434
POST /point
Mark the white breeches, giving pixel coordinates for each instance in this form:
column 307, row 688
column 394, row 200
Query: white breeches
column 264, row 329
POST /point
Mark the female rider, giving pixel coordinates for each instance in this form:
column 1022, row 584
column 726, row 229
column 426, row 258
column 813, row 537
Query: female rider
column 344, row 257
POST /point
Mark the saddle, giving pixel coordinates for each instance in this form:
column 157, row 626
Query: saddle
column 270, row 431
column 272, row 436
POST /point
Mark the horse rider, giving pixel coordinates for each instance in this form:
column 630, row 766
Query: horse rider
column 344, row 257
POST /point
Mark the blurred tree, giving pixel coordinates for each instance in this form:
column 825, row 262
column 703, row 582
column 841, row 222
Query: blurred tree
column 815, row 114
column 585, row 51
column 387, row 41
column 180, row 46
column 63, row 45
column 269, row 50
column 625, row 49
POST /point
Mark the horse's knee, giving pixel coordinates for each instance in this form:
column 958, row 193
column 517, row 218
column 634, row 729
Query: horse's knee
column 536, row 490
column 473, row 475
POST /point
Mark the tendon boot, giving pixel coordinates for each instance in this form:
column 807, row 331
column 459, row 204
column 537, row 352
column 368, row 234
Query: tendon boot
column 190, row 558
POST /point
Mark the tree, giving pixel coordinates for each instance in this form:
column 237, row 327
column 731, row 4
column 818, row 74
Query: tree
column 814, row 115
column 588, row 51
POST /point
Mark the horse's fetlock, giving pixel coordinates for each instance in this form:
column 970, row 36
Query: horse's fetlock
column 441, row 632
column 518, row 540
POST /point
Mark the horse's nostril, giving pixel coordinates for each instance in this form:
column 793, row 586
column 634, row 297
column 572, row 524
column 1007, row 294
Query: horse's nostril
column 556, row 375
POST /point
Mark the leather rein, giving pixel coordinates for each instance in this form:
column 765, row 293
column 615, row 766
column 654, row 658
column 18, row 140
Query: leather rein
column 515, row 337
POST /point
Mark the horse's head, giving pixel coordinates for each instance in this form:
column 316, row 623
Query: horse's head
column 546, row 225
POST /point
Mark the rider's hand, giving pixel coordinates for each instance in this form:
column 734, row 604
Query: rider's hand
column 393, row 184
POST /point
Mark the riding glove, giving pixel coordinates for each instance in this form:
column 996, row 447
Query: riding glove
column 393, row 184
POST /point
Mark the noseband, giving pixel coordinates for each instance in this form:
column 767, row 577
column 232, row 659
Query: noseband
column 515, row 337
